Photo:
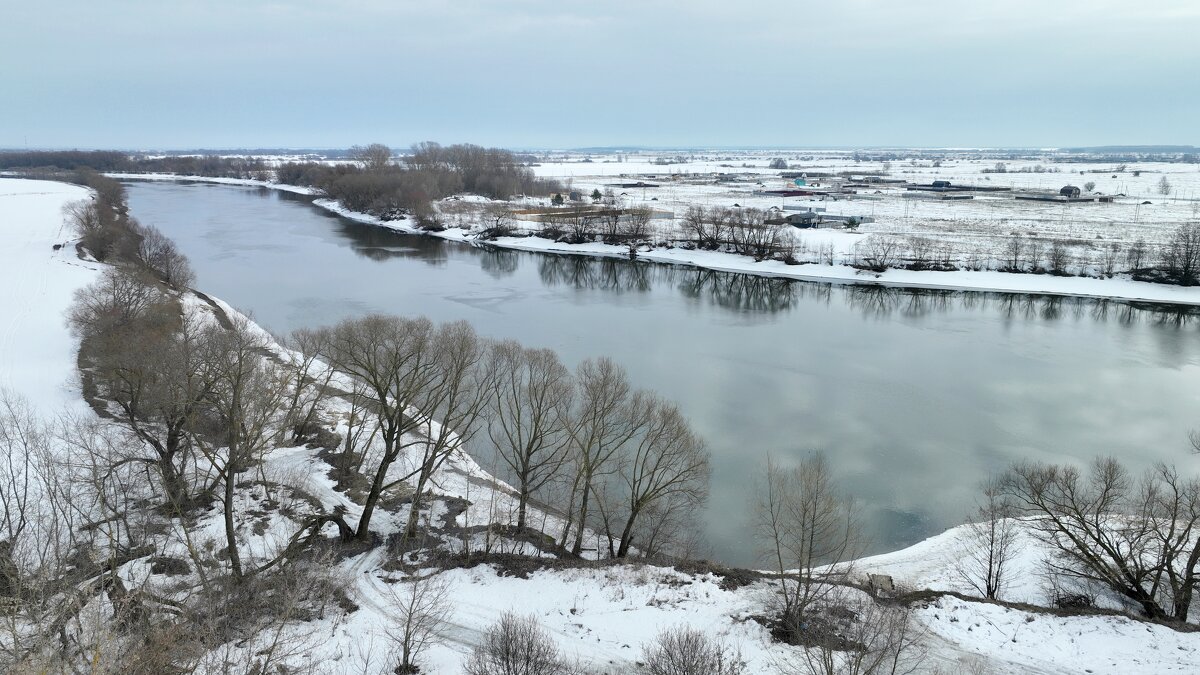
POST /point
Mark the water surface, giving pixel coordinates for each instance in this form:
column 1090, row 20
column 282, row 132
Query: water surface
column 913, row 395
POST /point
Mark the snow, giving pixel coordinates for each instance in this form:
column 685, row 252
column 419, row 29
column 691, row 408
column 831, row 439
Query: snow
column 37, row 283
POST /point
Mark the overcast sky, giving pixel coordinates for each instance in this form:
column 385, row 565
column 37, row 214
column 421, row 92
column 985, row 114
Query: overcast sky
column 560, row 73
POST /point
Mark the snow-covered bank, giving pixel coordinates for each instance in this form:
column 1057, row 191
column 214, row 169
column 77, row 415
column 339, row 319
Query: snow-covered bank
column 37, row 284
column 1120, row 287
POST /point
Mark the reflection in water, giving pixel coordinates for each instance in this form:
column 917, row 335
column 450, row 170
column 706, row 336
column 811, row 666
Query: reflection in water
column 915, row 303
column 741, row 293
column 601, row 274
column 749, row 293
column 500, row 263
column 379, row 243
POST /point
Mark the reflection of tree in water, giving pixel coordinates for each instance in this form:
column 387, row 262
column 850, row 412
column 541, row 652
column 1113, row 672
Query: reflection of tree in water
column 882, row 301
column 499, row 262
column 921, row 303
column 381, row 244
column 1175, row 316
column 606, row 274
column 874, row 301
column 742, row 292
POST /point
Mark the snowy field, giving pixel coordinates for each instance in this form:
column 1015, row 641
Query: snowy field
column 37, row 283
column 598, row 615
column 977, row 223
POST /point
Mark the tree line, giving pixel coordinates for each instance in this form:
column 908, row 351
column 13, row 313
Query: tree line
column 388, row 188
column 110, row 161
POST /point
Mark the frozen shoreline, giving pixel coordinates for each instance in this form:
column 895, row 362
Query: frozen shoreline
column 1120, row 287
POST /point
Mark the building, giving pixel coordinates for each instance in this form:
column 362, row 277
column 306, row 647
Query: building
column 1070, row 192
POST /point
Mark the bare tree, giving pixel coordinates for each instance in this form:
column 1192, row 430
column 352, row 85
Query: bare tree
column 515, row 645
column 373, row 157
column 752, row 235
column 1181, row 255
column 422, row 610
column 449, row 409
column 1164, row 186
column 1109, row 255
column 244, row 415
column 879, row 252
column 666, row 459
column 686, row 651
column 1089, row 186
column 159, row 254
column 803, row 523
column 1135, row 538
column 603, row 424
column 309, row 383
column 500, row 220
column 1136, row 254
column 991, row 541
column 1014, row 252
column 708, row 227
column 529, row 417
column 147, row 361
column 636, row 225
column 1058, row 257
column 921, row 251
column 393, row 360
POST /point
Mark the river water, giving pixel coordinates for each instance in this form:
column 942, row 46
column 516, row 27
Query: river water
column 914, row 396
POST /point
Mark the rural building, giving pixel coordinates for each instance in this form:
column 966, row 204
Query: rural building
column 812, row 218
column 1070, row 191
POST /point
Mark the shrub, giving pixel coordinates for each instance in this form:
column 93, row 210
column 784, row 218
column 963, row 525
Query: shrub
column 515, row 645
column 687, row 651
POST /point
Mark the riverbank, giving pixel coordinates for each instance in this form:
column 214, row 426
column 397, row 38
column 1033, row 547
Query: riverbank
column 1120, row 287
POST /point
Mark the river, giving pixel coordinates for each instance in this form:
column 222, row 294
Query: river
column 914, row 396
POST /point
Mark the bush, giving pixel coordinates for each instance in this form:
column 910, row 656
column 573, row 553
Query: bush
column 687, row 651
column 515, row 645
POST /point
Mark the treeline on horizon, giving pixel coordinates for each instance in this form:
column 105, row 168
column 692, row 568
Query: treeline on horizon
column 375, row 182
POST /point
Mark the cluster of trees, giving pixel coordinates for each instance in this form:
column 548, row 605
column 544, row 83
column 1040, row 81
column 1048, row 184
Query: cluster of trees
column 586, row 445
column 109, row 233
column 744, row 231
column 1177, row 261
column 388, row 189
column 1107, row 530
column 189, row 407
column 120, row 162
column 610, row 223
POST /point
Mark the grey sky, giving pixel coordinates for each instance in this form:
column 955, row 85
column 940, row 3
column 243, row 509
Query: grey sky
column 534, row 73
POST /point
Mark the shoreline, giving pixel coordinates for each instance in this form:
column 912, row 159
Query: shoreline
column 1119, row 288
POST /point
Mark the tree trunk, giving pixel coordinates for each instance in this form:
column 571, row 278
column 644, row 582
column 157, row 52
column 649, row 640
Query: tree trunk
column 522, row 503
column 577, row 549
column 235, row 560
column 627, row 535
column 364, row 522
